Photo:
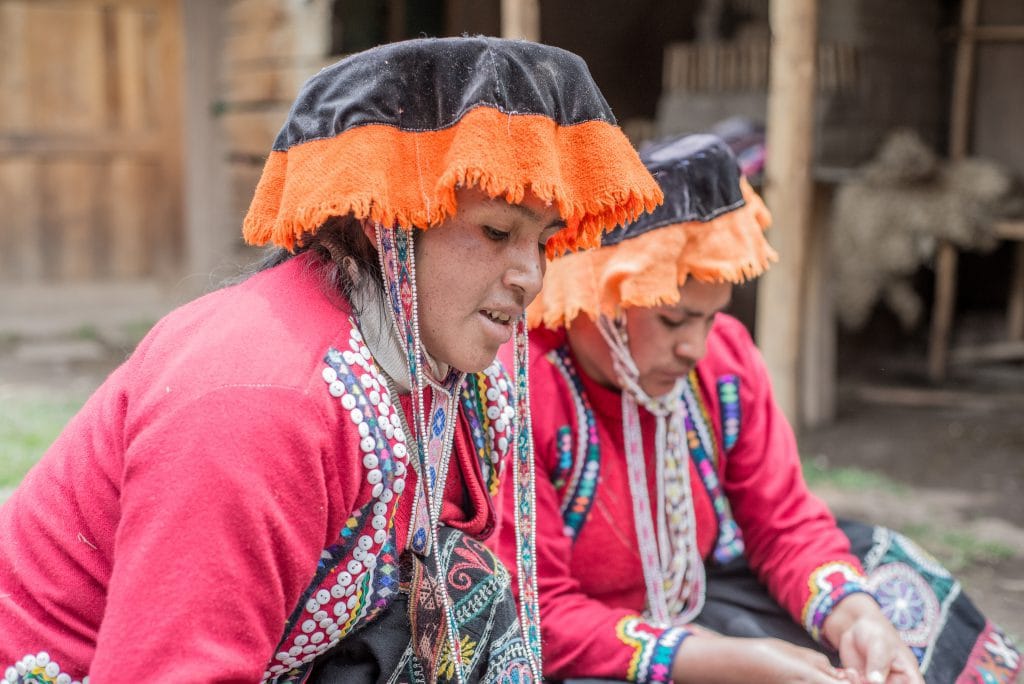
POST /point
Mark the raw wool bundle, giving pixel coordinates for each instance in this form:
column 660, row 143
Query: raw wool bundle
column 887, row 221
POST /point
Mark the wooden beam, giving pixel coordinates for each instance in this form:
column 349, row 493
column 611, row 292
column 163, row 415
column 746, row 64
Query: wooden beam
column 959, row 133
column 520, row 19
column 963, row 82
column 946, row 259
column 64, row 144
column 1015, row 307
column 818, row 369
column 789, row 194
column 993, row 34
column 993, row 352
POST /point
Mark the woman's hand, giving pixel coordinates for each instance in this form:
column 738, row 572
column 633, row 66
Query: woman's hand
column 708, row 658
column 869, row 644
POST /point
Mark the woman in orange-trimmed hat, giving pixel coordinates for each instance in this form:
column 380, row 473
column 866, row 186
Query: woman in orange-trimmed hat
column 669, row 485
column 288, row 479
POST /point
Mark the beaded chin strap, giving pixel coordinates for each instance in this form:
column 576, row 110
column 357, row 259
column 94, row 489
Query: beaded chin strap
column 433, row 443
column 673, row 569
column 524, row 486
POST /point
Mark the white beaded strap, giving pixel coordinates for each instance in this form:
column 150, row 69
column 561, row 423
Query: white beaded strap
column 395, row 251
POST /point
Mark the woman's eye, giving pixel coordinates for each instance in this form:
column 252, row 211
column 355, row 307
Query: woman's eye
column 671, row 322
column 495, row 234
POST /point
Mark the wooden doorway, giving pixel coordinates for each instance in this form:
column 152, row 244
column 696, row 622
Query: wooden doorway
column 90, row 133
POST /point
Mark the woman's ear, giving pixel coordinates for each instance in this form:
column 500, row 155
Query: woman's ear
column 369, row 231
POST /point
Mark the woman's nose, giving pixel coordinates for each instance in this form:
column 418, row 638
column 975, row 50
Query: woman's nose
column 691, row 345
column 526, row 271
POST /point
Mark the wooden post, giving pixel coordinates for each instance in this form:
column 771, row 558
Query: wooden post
column 818, row 362
column 520, row 19
column 789, row 194
column 946, row 256
column 210, row 235
column 1015, row 306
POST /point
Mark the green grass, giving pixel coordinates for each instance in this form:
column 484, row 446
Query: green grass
column 29, row 422
column 818, row 475
column 957, row 550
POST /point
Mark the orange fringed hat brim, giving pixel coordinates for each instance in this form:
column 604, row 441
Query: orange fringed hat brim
column 648, row 270
column 378, row 172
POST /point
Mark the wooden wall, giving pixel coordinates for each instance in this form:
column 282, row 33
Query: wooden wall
column 89, row 139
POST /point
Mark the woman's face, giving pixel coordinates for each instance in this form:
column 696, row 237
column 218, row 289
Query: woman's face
column 477, row 272
column 666, row 342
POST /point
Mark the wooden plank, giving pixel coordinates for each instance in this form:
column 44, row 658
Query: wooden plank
column 818, row 373
column 1008, row 230
column 963, row 81
column 520, row 19
column 276, row 44
column 164, row 100
column 268, row 83
column 135, row 195
column 130, row 30
column 22, row 254
column 789, row 193
column 1015, row 305
column 946, row 259
column 15, row 114
column 993, row 352
column 259, row 15
column 994, row 34
column 70, row 192
column 252, row 133
column 243, row 185
column 65, row 67
column 57, row 143
column 917, row 397
column 946, row 254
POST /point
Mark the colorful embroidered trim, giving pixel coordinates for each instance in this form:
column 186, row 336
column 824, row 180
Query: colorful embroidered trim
column 729, row 404
column 579, row 495
column 829, row 584
column 39, row 669
column 994, row 659
column 356, row 577
column 913, row 589
column 654, row 649
column 563, row 447
column 705, row 457
column 485, row 403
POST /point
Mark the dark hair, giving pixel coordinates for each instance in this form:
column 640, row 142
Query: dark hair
column 344, row 257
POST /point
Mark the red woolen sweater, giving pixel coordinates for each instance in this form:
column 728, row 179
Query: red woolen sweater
column 170, row 531
column 592, row 589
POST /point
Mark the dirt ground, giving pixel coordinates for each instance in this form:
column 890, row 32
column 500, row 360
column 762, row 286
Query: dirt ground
column 950, row 460
column 953, row 459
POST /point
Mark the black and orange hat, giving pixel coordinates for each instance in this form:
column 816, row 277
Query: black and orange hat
column 711, row 227
column 390, row 134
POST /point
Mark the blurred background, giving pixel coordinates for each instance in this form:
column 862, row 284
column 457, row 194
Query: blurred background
column 887, row 136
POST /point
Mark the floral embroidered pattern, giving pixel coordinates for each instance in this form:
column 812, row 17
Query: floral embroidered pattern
column 491, row 645
column 578, row 495
column 829, row 584
column 913, row 590
column 654, row 649
column 39, row 669
column 907, row 600
column 994, row 659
